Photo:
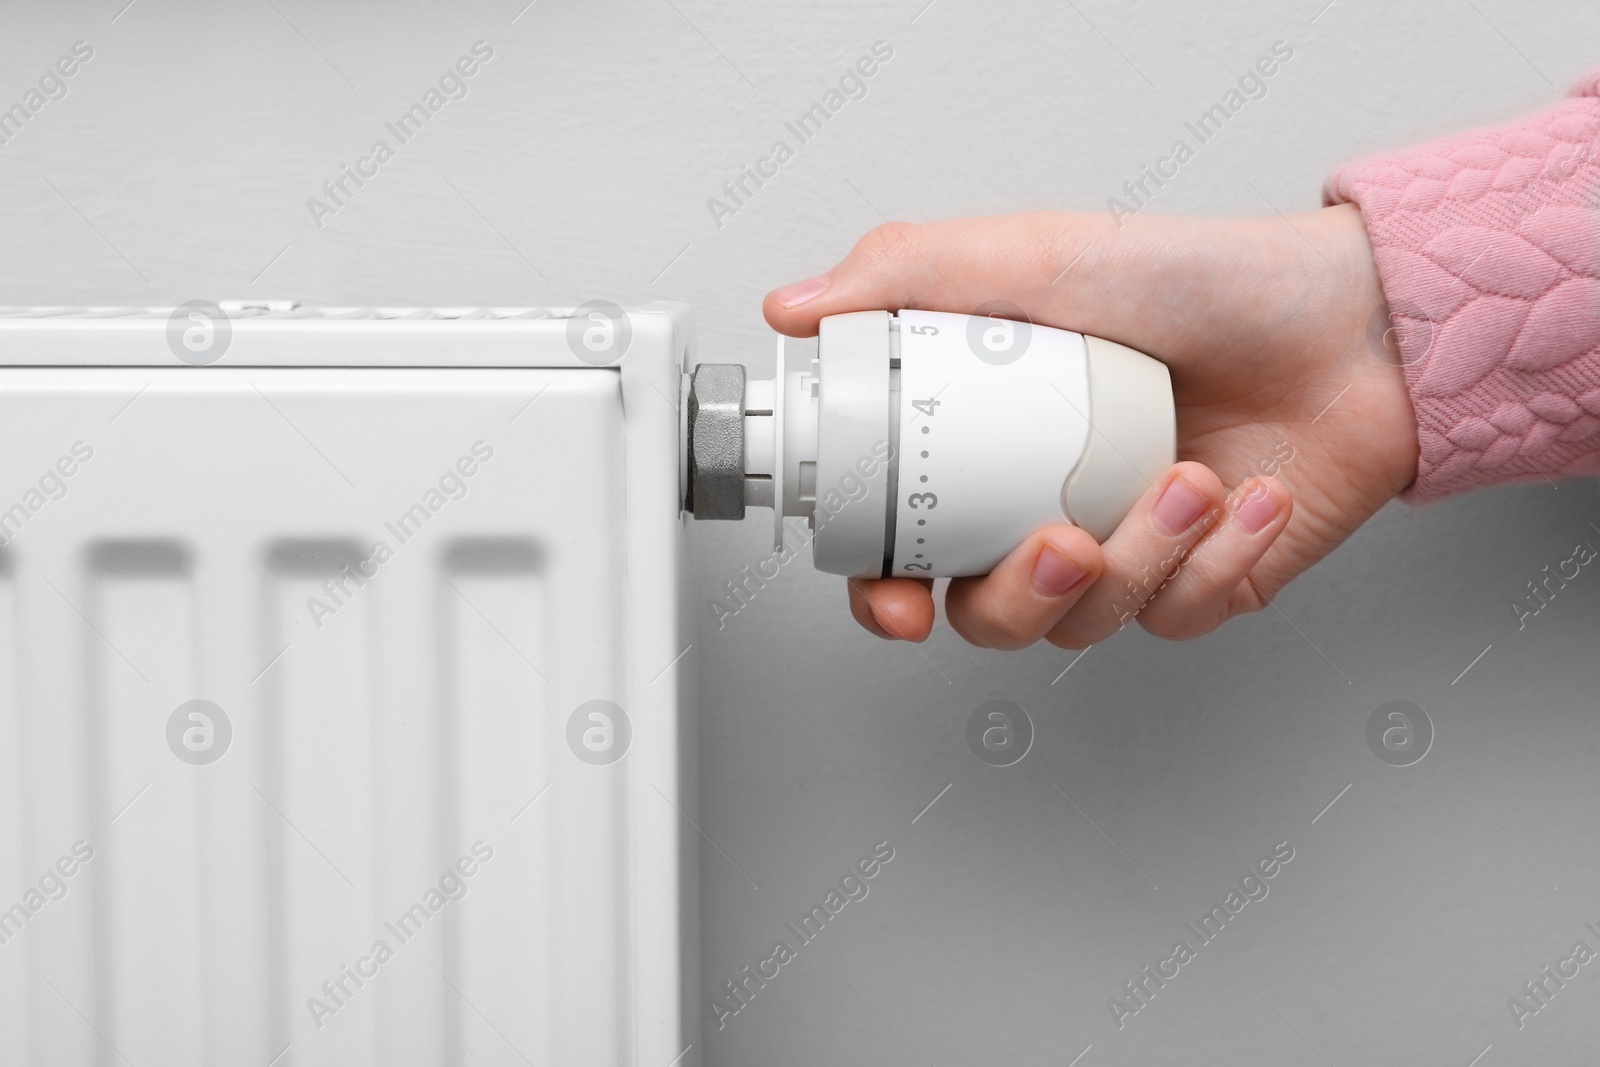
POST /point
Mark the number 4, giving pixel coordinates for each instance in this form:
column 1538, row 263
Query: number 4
column 926, row 406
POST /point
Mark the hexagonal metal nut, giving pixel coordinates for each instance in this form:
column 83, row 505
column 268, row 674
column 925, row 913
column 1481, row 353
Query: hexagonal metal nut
column 716, row 441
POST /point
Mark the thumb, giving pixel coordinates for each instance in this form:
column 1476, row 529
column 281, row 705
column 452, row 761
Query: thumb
column 1042, row 262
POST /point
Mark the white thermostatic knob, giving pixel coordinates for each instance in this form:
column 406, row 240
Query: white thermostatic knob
column 928, row 444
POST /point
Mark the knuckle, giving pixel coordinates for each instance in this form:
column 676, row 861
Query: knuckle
column 1250, row 599
column 1186, row 624
column 1168, row 627
column 1009, row 628
column 1076, row 634
column 884, row 247
column 1069, row 642
column 987, row 628
column 1056, row 240
column 971, row 636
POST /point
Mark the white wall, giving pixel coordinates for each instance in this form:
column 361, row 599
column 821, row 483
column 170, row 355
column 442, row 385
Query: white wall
column 579, row 166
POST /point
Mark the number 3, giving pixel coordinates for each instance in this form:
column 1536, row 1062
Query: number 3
column 931, row 500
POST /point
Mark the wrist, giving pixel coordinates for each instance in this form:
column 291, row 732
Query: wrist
column 1378, row 347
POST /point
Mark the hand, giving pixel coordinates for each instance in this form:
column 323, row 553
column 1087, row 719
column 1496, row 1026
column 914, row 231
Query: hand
column 1280, row 395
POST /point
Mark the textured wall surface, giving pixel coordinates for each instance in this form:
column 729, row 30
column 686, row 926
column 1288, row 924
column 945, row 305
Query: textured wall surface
column 579, row 164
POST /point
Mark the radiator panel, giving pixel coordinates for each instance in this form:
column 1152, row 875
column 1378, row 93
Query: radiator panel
column 397, row 684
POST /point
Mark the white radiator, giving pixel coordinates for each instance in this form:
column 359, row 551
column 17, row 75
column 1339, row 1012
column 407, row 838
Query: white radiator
column 411, row 563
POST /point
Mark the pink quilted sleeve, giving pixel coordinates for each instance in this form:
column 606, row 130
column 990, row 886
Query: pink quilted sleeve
column 1488, row 248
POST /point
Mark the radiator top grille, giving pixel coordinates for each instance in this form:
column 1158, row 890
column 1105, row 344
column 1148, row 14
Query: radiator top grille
column 276, row 309
column 279, row 333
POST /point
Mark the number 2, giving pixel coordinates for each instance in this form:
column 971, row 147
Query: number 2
column 918, row 567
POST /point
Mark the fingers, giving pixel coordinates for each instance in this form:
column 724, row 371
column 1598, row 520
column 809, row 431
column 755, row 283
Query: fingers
column 1179, row 565
column 955, row 265
column 1143, row 552
column 1027, row 594
column 1212, row 584
column 896, row 609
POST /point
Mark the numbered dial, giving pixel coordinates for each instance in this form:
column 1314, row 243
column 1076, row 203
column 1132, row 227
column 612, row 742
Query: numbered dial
column 993, row 416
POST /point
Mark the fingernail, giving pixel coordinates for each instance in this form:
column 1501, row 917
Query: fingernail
column 1180, row 507
column 1054, row 573
column 1258, row 510
column 797, row 293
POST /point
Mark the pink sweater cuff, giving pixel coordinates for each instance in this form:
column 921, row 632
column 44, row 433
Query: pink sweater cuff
column 1488, row 247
